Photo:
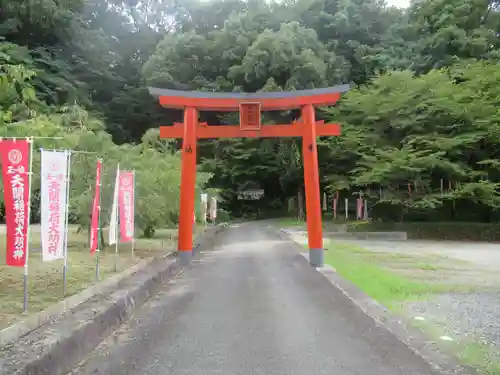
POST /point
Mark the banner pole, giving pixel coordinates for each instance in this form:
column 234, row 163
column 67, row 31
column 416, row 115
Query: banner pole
column 25, row 276
column 97, row 265
column 117, row 213
column 133, row 216
column 116, row 244
column 97, row 251
column 65, row 266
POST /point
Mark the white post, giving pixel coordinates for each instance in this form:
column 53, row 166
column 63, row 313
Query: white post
column 346, row 203
column 204, row 207
column 214, row 216
column 65, row 267
column 25, row 278
column 204, row 202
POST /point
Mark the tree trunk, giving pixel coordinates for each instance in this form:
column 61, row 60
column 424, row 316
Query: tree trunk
column 300, row 205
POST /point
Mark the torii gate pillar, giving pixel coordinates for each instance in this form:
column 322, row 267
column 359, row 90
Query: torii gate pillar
column 312, row 188
column 250, row 107
column 188, row 185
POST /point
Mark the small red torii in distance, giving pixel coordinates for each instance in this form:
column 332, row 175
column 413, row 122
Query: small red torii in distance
column 250, row 107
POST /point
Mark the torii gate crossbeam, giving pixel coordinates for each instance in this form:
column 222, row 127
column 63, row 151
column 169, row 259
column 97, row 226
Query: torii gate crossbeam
column 250, row 107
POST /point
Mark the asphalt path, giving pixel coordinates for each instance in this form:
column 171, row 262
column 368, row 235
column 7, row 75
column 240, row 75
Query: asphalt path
column 251, row 306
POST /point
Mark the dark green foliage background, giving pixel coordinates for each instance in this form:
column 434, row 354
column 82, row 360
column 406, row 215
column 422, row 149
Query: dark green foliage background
column 424, row 104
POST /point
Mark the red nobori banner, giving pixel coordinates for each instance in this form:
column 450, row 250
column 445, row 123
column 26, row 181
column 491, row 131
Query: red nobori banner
column 126, row 205
column 94, row 227
column 15, row 156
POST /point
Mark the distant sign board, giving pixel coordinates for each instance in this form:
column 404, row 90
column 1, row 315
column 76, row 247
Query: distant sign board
column 250, row 195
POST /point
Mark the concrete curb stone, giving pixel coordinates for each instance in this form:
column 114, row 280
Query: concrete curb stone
column 379, row 236
column 55, row 347
column 382, row 236
column 427, row 349
column 32, row 322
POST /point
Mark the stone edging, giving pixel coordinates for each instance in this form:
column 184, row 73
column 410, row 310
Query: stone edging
column 32, row 322
column 412, row 337
column 380, row 236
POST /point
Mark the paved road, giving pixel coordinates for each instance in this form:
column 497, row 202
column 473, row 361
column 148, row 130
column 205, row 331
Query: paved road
column 252, row 307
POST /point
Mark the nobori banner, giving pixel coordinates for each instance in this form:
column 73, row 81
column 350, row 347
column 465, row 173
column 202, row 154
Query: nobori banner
column 15, row 156
column 126, row 205
column 54, row 180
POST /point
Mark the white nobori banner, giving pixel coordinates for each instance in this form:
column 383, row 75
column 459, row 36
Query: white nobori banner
column 54, row 170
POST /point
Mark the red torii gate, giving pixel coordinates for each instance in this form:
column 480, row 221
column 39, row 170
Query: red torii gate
column 250, row 107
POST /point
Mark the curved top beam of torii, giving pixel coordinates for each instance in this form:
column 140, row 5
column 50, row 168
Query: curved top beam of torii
column 230, row 101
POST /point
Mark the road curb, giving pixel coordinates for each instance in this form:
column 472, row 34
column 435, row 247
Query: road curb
column 54, row 348
column 379, row 236
column 365, row 236
column 411, row 337
column 25, row 326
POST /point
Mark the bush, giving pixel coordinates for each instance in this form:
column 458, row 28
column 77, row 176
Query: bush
column 453, row 231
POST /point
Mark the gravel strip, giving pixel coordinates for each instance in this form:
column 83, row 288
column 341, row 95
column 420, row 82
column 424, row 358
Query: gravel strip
column 472, row 316
column 475, row 315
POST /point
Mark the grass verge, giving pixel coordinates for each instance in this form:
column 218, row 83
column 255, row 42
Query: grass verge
column 289, row 222
column 482, row 357
column 45, row 278
column 387, row 287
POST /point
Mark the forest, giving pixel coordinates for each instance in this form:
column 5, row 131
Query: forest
column 420, row 124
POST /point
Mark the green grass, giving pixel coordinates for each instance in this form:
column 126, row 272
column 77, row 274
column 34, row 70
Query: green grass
column 426, row 267
column 387, row 287
column 483, row 358
column 479, row 356
column 289, row 222
column 366, row 270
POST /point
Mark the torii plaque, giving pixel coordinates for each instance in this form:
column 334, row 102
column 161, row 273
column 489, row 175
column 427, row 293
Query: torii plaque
column 250, row 107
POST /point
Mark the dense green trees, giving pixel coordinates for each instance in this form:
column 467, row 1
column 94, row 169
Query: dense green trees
column 441, row 126
column 423, row 104
column 157, row 166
